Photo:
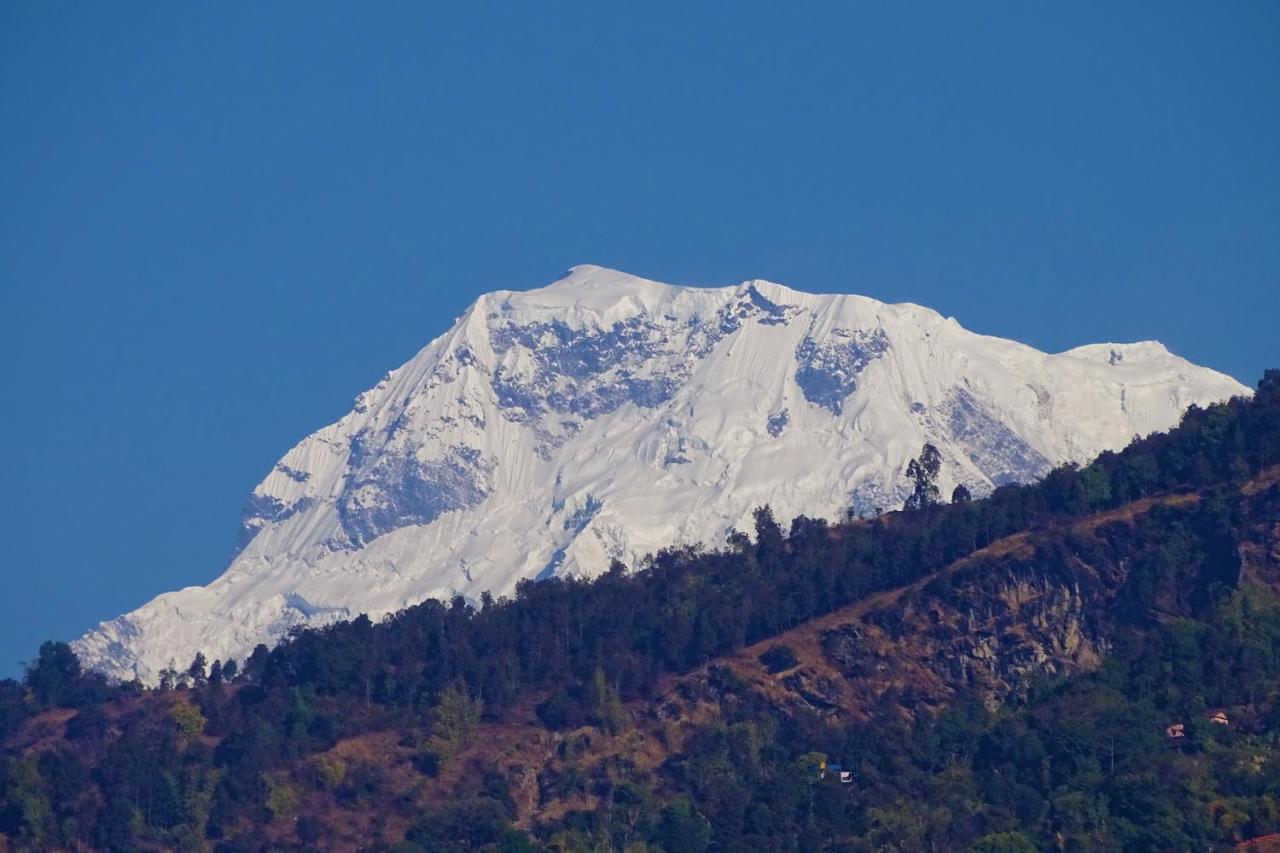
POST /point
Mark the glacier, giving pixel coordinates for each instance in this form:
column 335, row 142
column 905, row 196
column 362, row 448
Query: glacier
column 550, row 432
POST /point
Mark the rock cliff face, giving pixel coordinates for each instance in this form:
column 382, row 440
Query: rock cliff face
column 1048, row 604
column 605, row 416
column 987, row 629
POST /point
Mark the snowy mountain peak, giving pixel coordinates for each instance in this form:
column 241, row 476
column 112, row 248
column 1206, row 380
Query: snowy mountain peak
column 604, row 416
column 593, row 276
column 1141, row 352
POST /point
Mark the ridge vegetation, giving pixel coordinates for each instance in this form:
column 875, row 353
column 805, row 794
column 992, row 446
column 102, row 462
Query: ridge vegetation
column 998, row 674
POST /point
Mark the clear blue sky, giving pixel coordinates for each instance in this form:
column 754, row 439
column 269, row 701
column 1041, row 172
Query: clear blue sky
column 220, row 221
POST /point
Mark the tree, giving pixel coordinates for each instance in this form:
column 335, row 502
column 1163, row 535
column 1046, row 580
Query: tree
column 25, row 795
column 778, row 657
column 769, row 538
column 474, row 824
column 456, row 717
column 55, row 675
column 256, row 662
column 196, row 671
column 683, row 829
column 282, row 797
column 188, row 718
column 923, row 472
column 606, row 707
column 961, row 495
column 14, row 706
column 1097, row 486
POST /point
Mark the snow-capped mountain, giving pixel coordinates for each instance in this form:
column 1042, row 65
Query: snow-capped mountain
column 605, row 416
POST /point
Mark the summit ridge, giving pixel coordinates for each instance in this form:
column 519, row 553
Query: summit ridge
column 552, row 431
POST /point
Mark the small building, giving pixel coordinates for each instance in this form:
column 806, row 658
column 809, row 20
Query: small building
column 1220, row 718
column 1176, row 730
column 836, row 771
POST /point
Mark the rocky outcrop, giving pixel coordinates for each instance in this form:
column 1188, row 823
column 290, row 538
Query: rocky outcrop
column 1028, row 607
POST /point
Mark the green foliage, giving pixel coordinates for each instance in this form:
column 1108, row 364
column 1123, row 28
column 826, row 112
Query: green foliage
column 607, row 710
column 454, row 721
column 683, row 829
column 1003, row 842
column 466, row 825
column 330, row 771
column 1095, row 486
column 189, row 720
column 54, row 677
column 28, row 814
column 282, row 797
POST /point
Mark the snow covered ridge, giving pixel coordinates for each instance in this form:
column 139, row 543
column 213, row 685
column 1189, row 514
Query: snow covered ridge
column 603, row 417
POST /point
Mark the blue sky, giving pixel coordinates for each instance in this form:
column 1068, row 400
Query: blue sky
column 220, row 222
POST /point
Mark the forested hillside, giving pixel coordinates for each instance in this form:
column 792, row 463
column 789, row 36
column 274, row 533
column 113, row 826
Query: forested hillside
column 1000, row 674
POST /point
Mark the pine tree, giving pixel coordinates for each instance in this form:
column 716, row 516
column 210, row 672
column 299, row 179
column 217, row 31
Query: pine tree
column 196, row 671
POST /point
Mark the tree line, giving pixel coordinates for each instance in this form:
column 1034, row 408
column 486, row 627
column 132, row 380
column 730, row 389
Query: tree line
column 135, row 772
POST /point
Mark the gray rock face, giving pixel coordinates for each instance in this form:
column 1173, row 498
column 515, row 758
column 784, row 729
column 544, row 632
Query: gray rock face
column 998, row 451
column 869, row 499
column 755, row 305
column 778, row 422
column 399, row 491
column 261, row 510
column 827, row 371
column 582, row 372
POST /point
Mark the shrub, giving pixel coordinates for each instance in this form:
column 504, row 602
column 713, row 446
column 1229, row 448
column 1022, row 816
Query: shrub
column 779, row 657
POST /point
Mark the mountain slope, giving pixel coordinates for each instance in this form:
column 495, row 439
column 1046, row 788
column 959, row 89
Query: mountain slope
column 605, row 416
column 1048, row 602
column 1040, row 669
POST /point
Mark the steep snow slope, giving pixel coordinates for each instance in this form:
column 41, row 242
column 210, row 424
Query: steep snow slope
column 605, row 416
